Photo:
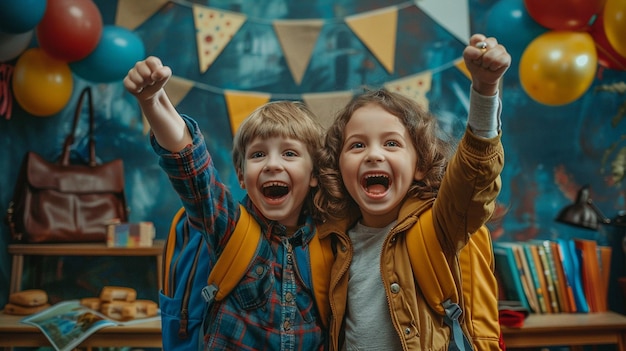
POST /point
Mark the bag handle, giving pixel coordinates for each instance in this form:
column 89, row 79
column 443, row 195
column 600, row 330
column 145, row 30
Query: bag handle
column 69, row 140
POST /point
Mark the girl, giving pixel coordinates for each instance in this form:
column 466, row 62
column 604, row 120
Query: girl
column 382, row 164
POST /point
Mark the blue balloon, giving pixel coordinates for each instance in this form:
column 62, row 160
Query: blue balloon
column 20, row 16
column 116, row 53
column 510, row 23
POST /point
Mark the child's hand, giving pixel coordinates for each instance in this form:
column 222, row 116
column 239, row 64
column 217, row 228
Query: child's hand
column 147, row 78
column 487, row 61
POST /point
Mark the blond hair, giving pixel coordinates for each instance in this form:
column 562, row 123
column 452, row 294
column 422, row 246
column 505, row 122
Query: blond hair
column 287, row 119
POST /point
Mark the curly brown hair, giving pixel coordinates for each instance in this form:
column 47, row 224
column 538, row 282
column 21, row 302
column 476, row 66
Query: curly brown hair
column 433, row 151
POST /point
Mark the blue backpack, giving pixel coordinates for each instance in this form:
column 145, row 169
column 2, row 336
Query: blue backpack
column 191, row 283
column 185, row 266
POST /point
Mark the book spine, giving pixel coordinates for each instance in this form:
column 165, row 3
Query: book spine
column 535, row 275
column 572, row 268
column 509, row 274
column 550, row 286
column 525, row 278
column 531, row 290
column 565, row 289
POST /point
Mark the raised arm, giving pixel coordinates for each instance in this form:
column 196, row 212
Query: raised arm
column 146, row 81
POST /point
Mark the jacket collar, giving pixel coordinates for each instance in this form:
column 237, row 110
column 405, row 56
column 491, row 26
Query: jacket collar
column 410, row 210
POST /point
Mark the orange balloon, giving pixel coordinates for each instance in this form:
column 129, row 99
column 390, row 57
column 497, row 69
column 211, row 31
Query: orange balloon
column 558, row 67
column 42, row 85
column 615, row 25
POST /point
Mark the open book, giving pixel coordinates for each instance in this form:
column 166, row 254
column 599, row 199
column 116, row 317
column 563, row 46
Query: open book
column 66, row 324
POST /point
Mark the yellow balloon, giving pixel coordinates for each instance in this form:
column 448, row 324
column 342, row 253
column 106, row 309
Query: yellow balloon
column 42, row 85
column 557, row 67
column 615, row 25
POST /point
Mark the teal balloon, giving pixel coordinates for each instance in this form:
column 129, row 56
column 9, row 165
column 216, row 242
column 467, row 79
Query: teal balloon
column 512, row 25
column 20, row 16
column 116, row 53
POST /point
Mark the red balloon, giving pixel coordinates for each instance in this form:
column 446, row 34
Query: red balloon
column 564, row 14
column 70, row 29
column 607, row 56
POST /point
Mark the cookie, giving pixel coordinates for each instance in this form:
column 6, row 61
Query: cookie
column 91, row 302
column 18, row 310
column 29, row 298
column 118, row 293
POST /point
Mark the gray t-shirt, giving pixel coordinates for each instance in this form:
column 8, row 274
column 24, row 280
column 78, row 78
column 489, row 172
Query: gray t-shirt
column 368, row 320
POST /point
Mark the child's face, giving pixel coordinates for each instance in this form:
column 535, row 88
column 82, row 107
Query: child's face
column 377, row 163
column 277, row 175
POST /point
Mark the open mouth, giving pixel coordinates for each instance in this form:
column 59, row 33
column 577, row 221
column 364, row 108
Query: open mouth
column 275, row 190
column 376, row 183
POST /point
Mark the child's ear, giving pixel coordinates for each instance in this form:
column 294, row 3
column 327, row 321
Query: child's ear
column 242, row 184
column 419, row 175
column 314, row 181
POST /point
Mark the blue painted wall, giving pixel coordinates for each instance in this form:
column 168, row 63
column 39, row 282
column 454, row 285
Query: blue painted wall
column 550, row 150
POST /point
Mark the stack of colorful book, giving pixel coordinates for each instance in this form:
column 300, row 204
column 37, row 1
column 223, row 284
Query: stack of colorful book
column 554, row 276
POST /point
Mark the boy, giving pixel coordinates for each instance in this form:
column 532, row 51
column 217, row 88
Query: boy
column 271, row 308
column 382, row 166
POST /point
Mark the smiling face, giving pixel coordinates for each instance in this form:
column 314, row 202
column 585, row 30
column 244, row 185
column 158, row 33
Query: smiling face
column 377, row 163
column 277, row 174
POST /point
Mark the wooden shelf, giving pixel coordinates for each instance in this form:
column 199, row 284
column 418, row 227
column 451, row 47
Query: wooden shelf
column 570, row 329
column 18, row 251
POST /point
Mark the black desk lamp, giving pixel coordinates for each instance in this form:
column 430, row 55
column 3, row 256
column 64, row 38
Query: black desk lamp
column 585, row 214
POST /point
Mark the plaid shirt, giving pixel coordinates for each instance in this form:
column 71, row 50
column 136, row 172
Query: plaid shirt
column 271, row 308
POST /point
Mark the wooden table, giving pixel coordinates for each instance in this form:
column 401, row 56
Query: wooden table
column 18, row 251
column 568, row 329
column 13, row 334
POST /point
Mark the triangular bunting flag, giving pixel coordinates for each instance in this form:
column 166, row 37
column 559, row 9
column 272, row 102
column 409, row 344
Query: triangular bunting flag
column 377, row 30
column 456, row 22
column 326, row 105
column 241, row 104
column 298, row 38
column 214, row 30
column 460, row 64
column 414, row 87
column 176, row 89
column 130, row 14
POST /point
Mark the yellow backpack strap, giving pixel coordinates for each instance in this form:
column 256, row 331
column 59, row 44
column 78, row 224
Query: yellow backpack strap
column 430, row 264
column 169, row 250
column 234, row 261
column 480, row 298
column 321, row 262
column 434, row 277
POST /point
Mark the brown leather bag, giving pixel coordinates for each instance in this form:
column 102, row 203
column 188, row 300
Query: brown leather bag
column 63, row 202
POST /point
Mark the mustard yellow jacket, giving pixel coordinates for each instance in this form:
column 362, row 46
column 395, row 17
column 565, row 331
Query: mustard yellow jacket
column 466, row 200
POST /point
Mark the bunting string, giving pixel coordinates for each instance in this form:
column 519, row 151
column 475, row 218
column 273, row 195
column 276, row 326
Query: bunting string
column 285, row 96
column 259, row 20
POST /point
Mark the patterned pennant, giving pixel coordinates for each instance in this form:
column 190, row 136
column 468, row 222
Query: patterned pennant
column 377, row 30
column 326, row 105
column 131, row 14
column 241, row 104
column 298, row 38
column 214, row 30
column 414, row 87
column 456, row 22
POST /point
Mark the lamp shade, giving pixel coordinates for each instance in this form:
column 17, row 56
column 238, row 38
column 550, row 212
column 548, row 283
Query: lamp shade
column 582, row 213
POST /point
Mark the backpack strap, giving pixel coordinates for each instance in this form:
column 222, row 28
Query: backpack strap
column 170, row 250
column 317, row 277
column 434, row 277
column 234, row 261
